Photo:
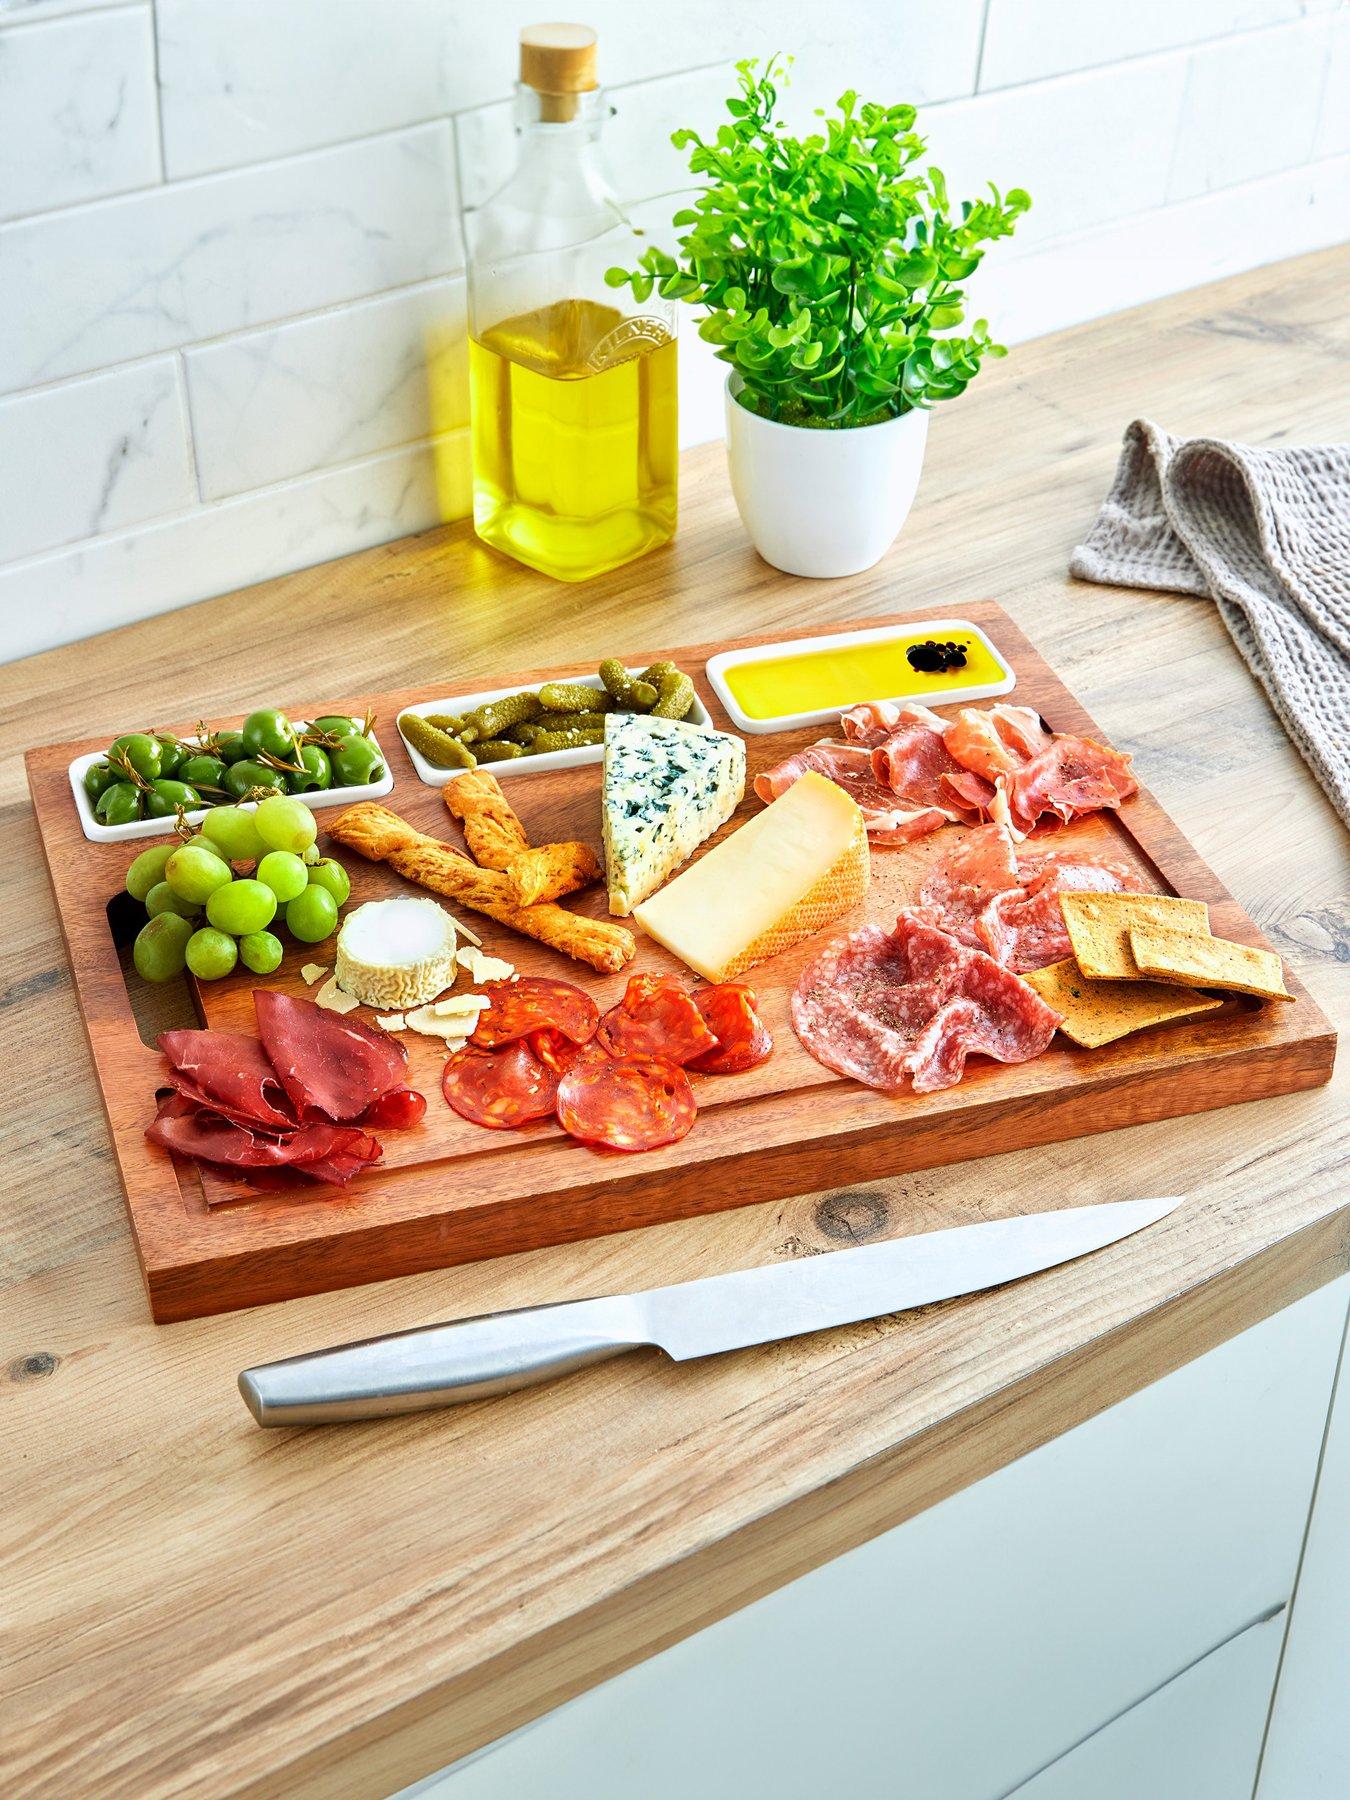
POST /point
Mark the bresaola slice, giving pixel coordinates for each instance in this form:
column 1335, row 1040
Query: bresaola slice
column 908, row 1007
column 332, row 1066
column 328, row 1152
column 228, row 1072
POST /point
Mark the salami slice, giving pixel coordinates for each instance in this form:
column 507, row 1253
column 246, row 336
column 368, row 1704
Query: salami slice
column 656, row 1018
column 533, row 1003
column 743, row 1040
column 502, row 1088
column 625, row 1102
column 398, row 1110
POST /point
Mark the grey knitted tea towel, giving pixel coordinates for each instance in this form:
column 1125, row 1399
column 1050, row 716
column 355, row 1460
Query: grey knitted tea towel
column 1265, row 534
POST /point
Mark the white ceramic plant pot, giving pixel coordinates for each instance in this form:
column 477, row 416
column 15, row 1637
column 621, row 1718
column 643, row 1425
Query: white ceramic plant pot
column 823, row 502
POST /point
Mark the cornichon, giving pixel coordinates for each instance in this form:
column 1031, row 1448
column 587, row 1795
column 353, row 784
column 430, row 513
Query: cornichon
column 497, row 750
column 675, row 696
column 492, row 720
column 567, row 740
column 571, row 697
column 570, row 721
column 439, row 747
column 636, row 696
column 450, row 722
column 658, row 672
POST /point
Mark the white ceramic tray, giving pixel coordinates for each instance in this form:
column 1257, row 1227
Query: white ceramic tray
column 99, row 833
column 945, row 691
column 519, row 765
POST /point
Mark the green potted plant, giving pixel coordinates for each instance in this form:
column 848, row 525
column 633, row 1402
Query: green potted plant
column 830, row 269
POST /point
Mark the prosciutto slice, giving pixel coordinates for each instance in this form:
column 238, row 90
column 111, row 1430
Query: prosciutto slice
column 891, row 818
column 913, row 761
column 995, row 740
column 332, row 1067
column 910, row 1006
column 1069, row 777
column 991, row 899
column 228, row 1072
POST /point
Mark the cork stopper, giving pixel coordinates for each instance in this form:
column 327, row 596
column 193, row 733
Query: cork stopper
column 558, row 62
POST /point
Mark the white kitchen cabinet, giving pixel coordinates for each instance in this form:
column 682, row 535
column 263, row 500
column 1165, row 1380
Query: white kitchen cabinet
column 1308, row 1752
column 1198, row 1738
column 963, row 1652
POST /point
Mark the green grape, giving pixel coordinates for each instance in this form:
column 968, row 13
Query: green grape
column 242, row 907
column 160, row 947
column 331, row 875
column 147, row 870
column 211, row 954
column 285, row 824
column 162, row 899
column 194, row 872
column 260, row 952
column 312, row 915
column 310, row 854
column 233, row 834
column 284, row 873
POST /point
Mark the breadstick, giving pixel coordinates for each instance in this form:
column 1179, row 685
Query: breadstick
column 381, row 836
column 497, row 839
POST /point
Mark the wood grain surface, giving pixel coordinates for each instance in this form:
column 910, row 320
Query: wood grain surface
column 194, row 1606
column 449, row 1192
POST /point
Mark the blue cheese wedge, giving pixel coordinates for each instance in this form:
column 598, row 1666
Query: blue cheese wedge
column 667, row 787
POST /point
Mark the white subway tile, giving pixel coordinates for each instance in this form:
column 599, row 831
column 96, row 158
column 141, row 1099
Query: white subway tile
column 134, row 575
column 77, row 111
column 1333, row 130
column 1163, row 252
column 124, row 278
column 315, row 392
column 1027, row 40
column 90, row 456
column 1088, row 148
column 1251, row 107
column 28, row 12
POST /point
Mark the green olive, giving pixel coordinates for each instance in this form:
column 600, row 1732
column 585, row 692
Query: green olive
column 120, row 804
column 271, row 731
column 242, row 776
column 98, row 778
column 202, row 772
column 144, row 753
column 230, row 746
column 318, row 771
column 334, row 725
column 355, row 762
column 172, row 753
column 165, row 797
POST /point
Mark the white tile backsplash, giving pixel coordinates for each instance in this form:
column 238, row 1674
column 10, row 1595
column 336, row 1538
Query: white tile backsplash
column 213, row 549
column 231, row 295
column 315, row 392
column 1028, row 40
column 97, row 285
column 1251, row 107
column 92, row 456
column 77, row 111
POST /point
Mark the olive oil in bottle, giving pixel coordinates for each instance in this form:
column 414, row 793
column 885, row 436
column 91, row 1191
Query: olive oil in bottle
column 573, row 398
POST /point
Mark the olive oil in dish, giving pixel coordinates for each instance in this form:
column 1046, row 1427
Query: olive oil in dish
column 573, row 390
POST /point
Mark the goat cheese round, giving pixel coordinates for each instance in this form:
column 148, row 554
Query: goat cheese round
column 396, row 953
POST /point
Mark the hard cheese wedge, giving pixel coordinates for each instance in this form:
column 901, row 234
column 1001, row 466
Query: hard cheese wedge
column 667, row 787
column 792, row 869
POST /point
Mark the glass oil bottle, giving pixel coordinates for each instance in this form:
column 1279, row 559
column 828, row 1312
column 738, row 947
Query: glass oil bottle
column 572, row 383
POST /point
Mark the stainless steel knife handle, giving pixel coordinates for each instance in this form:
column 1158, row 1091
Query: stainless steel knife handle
column 468, row 1359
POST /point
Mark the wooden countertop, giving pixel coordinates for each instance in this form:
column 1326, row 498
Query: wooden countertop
column 194, row 1606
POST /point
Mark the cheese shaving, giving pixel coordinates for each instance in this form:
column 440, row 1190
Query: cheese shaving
column 313, row 972
column 481, row 967
column 391, row 1021
column 460, row 1006
column 331, row 997
column 423, row 1019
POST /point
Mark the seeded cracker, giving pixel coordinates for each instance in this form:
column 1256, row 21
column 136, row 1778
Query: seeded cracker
column 1099, row 926
column 1099, row 1012
column 1185, row 956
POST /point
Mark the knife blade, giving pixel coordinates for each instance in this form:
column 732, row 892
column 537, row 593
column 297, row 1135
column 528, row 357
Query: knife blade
column 470, row 1359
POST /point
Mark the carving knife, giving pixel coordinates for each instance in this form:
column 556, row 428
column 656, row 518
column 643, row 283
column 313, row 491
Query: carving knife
column 470, row 1359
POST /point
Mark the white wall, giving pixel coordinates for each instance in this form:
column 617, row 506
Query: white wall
column 230, row 233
